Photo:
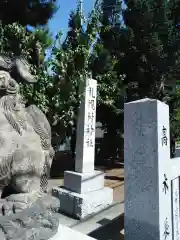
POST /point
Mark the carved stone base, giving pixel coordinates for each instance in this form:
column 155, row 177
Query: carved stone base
column 81, row 205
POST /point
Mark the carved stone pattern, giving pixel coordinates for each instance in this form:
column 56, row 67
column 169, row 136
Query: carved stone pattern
column 25, row 141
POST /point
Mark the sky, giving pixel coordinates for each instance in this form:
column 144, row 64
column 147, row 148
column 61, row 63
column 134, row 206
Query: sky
column 60, row 19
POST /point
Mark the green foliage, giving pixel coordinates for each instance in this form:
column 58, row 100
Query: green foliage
column 149, row 44
column 136, row 58
column 132, row 53
column 16, row 39
column 38, row 92
column 175, row 113
column 70, row 67
column 105, row 59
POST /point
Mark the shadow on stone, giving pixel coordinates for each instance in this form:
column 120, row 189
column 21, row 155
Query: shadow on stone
column 110, row 229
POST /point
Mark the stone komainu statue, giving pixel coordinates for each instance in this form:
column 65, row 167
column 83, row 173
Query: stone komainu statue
column 25, row 141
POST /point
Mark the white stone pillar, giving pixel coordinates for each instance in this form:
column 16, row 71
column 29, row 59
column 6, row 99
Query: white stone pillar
column 84, row 192
column 148, row 212
column 86, row 126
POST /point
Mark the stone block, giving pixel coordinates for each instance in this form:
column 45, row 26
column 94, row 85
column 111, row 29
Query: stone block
column 147, row 171
column 83, row 182
column 86, row 125
column 81, row 205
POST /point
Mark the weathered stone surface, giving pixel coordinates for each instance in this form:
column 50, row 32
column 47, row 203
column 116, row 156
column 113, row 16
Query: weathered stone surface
column 148, row 171
column 25, row 141
column 40, row 221
column 81, row 205
column 26, row 211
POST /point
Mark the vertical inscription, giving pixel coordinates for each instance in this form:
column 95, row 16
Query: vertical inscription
column 175, row 209
column 164, row 138
column 90, row 125
column 166, row 229
column 165, row 184
column 85, row 142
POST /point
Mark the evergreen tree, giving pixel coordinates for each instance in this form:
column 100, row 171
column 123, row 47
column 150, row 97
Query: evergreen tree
column 104, row 64
column 26, row 12
column 140, row 43
column 111, row 12
column 150, row 51
column 70, row 67
column 149, row 46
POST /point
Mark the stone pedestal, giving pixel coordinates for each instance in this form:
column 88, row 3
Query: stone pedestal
column 81, row 205
column 83, row 182
column 84, row 192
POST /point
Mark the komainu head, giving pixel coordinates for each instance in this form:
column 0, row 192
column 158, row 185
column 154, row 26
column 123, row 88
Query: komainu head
column 17, row 67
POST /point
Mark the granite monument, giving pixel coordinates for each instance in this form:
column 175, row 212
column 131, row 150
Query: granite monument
column 151, row 176
column 84, row 192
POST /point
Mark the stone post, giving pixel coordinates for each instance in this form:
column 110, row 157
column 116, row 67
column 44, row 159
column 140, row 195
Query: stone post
column 148, row 212
column 85, row 141
column 84, row 192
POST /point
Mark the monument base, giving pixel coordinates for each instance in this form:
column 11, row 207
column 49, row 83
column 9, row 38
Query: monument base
column 81, row 205
column 83, row 182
